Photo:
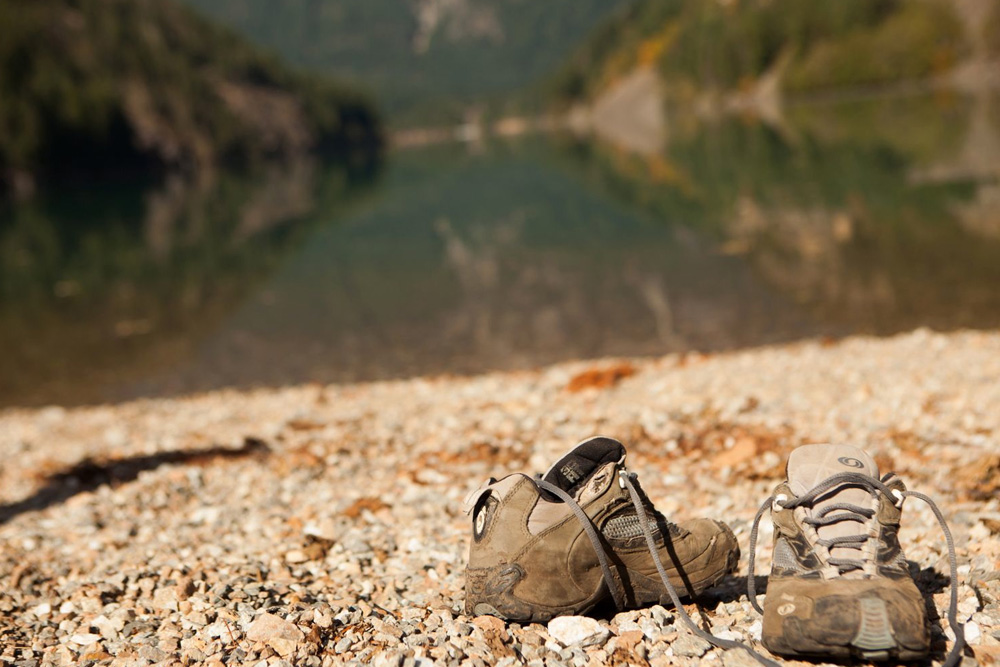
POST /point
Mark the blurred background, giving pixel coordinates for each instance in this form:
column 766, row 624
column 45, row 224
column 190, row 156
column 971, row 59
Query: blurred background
column 207, row 193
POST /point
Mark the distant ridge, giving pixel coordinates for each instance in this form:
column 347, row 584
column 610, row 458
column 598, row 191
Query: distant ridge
column 423, row 59
column 123, row 86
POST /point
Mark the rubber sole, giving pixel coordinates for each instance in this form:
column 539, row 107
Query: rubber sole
column 490, row 591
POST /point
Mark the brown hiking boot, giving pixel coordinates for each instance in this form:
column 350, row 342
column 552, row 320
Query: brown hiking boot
column 560, row 544
column 839, row 585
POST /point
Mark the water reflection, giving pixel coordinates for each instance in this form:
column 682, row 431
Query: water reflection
column 104, row 286
column 870, row 216
column 488, row 261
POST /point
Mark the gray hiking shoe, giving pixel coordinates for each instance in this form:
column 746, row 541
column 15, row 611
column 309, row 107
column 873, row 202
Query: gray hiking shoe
column 839, row 584
column 562, row 543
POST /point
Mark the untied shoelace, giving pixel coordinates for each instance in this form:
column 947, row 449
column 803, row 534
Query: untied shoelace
column 848, row 512
column 825, row 517
column 626, row 479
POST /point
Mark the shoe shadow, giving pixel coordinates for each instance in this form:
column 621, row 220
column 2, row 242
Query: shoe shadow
column 930, row 582
column 90, row 474
column 730, row 589
column 733, row 589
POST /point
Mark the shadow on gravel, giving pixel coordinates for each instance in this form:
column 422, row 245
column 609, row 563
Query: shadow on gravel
column 930, row 582
column 732, row 589
column 90, row 474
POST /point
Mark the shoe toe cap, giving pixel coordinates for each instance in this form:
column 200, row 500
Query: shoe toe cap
column 864, row 618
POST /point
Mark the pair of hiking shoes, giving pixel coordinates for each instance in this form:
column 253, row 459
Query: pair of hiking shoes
column 585, row 532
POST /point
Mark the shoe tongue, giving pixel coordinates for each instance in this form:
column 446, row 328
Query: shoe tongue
column 809, row 465
column 571, row 472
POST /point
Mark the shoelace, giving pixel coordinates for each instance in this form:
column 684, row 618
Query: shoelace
column 595, row 539
column 851, row 512
column 628, row 480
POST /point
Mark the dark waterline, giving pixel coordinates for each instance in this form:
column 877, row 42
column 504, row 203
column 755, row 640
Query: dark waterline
column 873, row 217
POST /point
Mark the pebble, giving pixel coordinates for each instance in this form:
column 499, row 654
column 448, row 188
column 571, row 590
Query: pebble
column 577, row 631
column 277, row 633
column 389, row 659
column 972, row 632
column 738, row 658
column 42, row 610
column 689, row 646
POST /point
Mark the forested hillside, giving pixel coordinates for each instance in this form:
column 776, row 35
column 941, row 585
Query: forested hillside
column 139, row 85
column 814, row 46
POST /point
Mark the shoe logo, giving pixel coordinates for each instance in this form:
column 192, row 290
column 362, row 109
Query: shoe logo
column 480, row 522
column 483, row 516
column 786, row 609
column 570, row 472
column 851, row 463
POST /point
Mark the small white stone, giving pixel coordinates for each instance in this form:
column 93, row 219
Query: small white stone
column 67, row 608
column 281, row 635
column 296, row 556
column 84, row 639
column 577, row 631
column 217, row 629
column 389, row 659
column 105, row 626
column 690, row 646
column 729, row 635
column 972, row 632
column 979, row 532
column 661, row 615
column 42, row 610
column 650, row 629
column 968, row 607
column 754, row 630
column 628, row 626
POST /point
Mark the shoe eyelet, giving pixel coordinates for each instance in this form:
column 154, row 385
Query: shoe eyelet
column 899, row 498
column 776, row 505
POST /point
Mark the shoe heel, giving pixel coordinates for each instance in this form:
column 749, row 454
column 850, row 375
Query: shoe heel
column 490, row 591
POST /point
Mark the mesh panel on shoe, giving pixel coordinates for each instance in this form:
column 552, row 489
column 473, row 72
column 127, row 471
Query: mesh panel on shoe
column 784, row 557
column 622, row 527
column 626, row 526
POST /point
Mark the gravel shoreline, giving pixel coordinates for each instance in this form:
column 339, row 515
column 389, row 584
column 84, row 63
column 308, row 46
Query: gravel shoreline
column 322, row 525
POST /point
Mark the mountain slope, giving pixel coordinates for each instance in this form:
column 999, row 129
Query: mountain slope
column 413, row 53
column 815, row 46
column 87, row 85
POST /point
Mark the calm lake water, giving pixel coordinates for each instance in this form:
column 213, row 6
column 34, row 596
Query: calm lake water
column 864, row 217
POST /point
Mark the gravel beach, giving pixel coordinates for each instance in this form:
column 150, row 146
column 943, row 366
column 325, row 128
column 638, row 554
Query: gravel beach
column 322, row 525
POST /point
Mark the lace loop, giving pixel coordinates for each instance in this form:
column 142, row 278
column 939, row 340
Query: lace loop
column 751, row 559
column 848, row 512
